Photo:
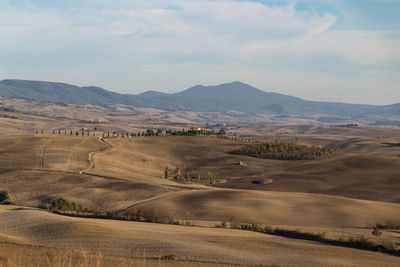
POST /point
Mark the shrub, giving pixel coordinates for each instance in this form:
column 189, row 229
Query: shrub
column 388, row 225
column 63, row 204
column 262, row 181
column 4, row 196
column 170, row 258
column 361, row 242
column 224, row 224
column 376, row 232
column 207, row 178
column 60, row 204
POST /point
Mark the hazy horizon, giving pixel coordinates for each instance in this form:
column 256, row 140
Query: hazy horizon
column 205, row 85
column 336, row 51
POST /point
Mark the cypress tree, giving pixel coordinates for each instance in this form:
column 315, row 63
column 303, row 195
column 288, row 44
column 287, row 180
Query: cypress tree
column 166, row 173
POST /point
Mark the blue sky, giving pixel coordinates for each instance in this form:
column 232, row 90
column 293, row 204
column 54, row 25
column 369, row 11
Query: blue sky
column 330, row 50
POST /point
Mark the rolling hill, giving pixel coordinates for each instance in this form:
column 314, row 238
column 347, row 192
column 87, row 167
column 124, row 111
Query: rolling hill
column 229, row 98
column 63, row 93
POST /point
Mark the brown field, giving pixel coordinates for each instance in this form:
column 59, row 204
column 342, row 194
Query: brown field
column 342, row 196
column 118, row 239
column 349, row 175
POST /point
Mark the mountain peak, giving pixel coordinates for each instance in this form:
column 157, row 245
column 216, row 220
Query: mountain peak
column 224, row 98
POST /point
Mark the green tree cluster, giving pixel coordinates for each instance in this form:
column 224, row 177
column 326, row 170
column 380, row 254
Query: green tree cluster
column 287, row 151
column 206, row 178
column 63, row 204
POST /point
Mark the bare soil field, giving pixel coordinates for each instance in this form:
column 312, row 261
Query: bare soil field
column 342, row 196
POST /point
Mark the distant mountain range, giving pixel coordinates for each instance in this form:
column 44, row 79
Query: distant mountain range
column 229, row 98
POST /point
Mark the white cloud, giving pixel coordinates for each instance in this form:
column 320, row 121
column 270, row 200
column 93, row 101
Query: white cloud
column 168, row 45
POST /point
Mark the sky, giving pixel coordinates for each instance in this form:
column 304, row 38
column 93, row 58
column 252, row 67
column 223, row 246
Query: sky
column 325, row 50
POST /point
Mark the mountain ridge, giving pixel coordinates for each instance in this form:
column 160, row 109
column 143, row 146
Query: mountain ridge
column 224, row 98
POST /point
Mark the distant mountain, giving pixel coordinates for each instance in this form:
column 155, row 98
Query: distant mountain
column 236, row 96
column 226, row 98
column 62, row 92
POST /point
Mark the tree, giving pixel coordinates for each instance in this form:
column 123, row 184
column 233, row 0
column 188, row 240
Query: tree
column 166, row 174
column 278, row 138
column 4, row 196
column 150, row 132
column 222, row 131
column 376, row 232
column 60, row 204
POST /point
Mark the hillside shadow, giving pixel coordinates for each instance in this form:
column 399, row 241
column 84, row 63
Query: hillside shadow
column 391, row 144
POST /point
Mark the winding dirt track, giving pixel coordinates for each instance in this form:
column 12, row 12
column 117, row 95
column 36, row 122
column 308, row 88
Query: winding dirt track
column 90, row 157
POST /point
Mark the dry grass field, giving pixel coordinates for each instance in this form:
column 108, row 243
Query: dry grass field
column 38, row 168
column 117, row 239
column 342, row 196
column 350, row 174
